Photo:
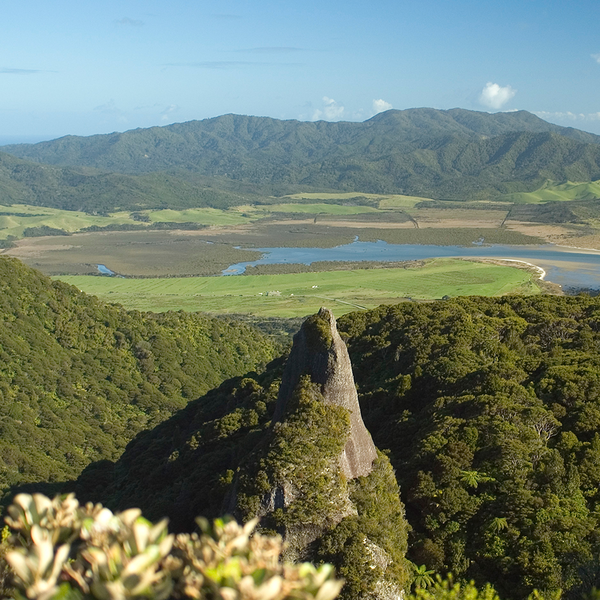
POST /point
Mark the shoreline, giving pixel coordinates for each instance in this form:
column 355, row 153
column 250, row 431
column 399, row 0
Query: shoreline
column 592, row 251
column 542, row 273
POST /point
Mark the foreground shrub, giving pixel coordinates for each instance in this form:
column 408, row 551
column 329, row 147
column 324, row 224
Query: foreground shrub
column 61, row 550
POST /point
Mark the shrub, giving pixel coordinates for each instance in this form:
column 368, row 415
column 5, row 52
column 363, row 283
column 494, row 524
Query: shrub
column 61, row 550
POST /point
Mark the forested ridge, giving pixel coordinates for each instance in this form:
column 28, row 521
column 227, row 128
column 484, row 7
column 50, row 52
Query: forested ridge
column 80, row 378
column 490, row 412
column 226, row 160
column 100, row 192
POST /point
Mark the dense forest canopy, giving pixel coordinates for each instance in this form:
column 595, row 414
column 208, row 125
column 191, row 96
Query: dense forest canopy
column 100, row 192
column 80, row 378
column 489, row 409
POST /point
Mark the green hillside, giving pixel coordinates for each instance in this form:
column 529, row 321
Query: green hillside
column 97, row 192
column 552, row 192
column 80, row 378
column 193, row 145
column 421, row 152
column 489, row 410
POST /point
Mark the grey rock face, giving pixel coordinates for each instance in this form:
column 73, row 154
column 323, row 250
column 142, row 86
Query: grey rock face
column 320, row 352
column 299, row 481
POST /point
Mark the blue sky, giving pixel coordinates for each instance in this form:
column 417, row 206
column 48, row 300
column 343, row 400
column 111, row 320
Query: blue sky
column 86, row 67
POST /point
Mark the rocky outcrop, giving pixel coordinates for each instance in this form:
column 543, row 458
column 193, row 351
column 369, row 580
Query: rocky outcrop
column 320, row 353
column 317, row 478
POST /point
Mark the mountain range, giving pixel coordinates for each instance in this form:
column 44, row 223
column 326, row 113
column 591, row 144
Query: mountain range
column 453, row 154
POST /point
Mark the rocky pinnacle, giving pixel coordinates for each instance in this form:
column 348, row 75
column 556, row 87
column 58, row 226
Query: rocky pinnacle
column 320, row 352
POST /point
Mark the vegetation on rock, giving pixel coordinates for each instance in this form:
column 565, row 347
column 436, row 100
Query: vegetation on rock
column 301, row 462
column 224, row 454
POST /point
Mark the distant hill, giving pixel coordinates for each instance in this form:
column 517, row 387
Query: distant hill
column 80, row 378
column 441, row 154
column 94, row 191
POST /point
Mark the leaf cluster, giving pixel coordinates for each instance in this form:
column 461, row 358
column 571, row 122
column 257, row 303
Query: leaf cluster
column 63, row 550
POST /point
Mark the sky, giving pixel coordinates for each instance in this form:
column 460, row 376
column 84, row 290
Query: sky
column 82, row 68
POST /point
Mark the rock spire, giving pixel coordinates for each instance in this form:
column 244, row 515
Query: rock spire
column 319, row 352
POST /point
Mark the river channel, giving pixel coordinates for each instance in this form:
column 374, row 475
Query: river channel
column 568, row 267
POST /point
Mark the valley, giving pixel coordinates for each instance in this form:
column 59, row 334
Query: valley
column 300, row 294
column 151, row 281
column 204, row 242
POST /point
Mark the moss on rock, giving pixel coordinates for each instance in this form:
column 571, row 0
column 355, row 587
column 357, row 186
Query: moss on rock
column 317, row 329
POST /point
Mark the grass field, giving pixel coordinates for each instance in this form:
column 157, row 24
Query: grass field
column 15, row 219
column 551, row 192
column 316, row 209
column 18, row 217
column 384, row 201
column 301, row 294
column 202, row 216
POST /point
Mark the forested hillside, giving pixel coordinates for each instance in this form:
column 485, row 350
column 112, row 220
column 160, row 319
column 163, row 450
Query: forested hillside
column 98, row 192
column 80, row 378
column 425, row 152
column 489, row 409
column 193, row 145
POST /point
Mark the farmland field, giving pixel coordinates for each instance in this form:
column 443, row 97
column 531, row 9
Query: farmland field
column 204, row 241
column 299, row 294
column 18, row 217
column 202, row 216
column 379, row 200
column 550, row 192
column 331, row 209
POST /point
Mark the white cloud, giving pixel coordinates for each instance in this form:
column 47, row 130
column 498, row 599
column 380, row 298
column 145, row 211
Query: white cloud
column 331, row 111
column 381, row 105
column 596, row 57
column 168, row 111
column 8, row 71
column 567, row 116
column 496, row 96
column 111, row 109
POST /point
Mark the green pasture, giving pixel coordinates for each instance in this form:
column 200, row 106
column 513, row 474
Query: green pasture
column 202, row 216
column 384, row 201
column 551, row 192
column 300, row 294
column 18, row 217
column 315, row 209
